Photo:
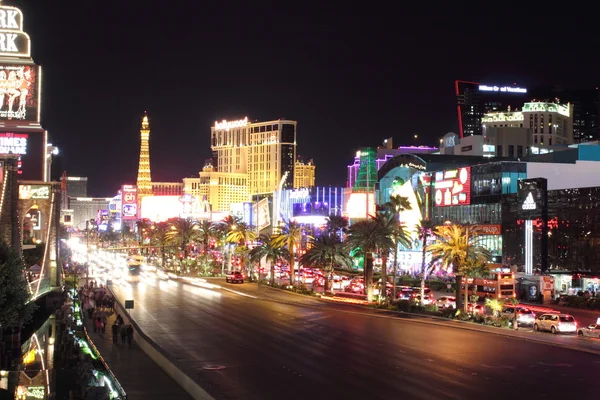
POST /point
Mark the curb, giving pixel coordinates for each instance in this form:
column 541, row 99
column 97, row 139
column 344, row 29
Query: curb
column 162, row 358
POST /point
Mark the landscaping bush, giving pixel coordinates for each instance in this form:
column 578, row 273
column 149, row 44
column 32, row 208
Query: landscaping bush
column 449, row 313
column 403, row 305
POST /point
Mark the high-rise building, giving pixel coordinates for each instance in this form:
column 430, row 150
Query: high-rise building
column 585, row 110
column 220, row 189
column 476, row 99
column 264, row 151
column 144, row 180
column 76, row 186
column 304, row 174
column 167, row 188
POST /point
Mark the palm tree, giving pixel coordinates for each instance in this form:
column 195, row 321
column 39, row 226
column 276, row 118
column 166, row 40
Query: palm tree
column 289, row 236
column 240, row 234
column 472, row 268
column 455, row 245
column 337, row 225
column 396, row 205
column 272, row 254
column 205, row 232
column 424, row 230
column 389, row 221
column 160, row 238
column 220, row 233
column 143, row 226
column 183, row 232
column 369, row 236
column 326, row 252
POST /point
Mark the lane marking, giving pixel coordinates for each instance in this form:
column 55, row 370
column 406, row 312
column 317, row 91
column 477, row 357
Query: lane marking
column 498, row 366
column 555, row 365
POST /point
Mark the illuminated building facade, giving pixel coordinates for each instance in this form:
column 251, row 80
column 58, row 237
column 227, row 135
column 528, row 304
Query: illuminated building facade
column 220, row 189
column 167, row 188
column 20, row 129
column 264, row 151
column 382, row 155
column 87, row 208
column 304, row 174
column 144, row 180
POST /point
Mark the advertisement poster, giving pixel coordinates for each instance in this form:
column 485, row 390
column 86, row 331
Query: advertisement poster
column 30, row 147
column 19, row 93
column 453, row 187
column 262, row 214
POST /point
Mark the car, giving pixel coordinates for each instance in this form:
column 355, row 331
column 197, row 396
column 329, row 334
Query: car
column 234, row 277
column 555, row 323
column 589, row 331
column 525, row 316
column 476, row 309
column 446, row 302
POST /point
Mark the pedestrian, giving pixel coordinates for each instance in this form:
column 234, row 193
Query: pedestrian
column 99, row 325
column 123, row 334
column 104, row 322
column 115, row 333
column 119, row 320
column 129, row 335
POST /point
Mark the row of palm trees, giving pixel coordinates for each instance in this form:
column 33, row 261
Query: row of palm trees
column 456, row 247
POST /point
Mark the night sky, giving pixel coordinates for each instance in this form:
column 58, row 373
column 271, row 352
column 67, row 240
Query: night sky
column 350, row 80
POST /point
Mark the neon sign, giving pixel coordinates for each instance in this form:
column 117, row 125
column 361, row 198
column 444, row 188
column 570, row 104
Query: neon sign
column 502, row 89
column 300, row 194
column 13, row 143
column 227, row 125
column 13, row 41
column 453, row 187
column 33, row 192
column 19, row 91
column 529, row 203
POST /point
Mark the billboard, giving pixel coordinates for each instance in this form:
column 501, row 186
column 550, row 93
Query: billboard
column 31, row 149
column 262, row 214
column 129, row 200
column 34, row 192
column 532, row 198
column 355, row 205
column 19, row 92
column 452, row 187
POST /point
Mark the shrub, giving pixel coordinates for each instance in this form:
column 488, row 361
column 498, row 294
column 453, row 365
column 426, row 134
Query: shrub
column 403, row 305
column 431, row 308
column 449, row 313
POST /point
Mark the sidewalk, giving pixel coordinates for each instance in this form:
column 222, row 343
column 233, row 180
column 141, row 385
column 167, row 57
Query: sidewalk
column 140, row 377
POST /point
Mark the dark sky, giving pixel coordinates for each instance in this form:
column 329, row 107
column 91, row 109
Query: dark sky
column 349, row 79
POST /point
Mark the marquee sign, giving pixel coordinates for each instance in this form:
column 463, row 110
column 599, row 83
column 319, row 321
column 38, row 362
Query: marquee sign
column 13, row 41
column 227, row 125
column 532, row 198
column 34, row 192
column 129, row 200
column 453, row 187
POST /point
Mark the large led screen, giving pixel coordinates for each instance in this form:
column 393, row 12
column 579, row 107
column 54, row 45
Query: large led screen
column 31, row 149
column 453, row 187
column 19, row 92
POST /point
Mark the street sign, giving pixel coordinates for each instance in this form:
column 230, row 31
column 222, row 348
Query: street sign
column 129, row 304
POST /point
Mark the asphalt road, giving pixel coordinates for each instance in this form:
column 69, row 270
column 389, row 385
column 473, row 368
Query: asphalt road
column 239, row 347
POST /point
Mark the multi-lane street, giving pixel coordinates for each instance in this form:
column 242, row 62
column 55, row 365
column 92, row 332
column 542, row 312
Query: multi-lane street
column 241, row 347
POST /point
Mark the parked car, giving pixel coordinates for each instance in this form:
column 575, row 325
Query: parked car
column 446, row 302
column 590, row 331
column 555, row 323
column 525, row 316
column 234, row 277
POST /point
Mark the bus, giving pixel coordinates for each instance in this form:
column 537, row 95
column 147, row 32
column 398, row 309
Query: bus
column 500, row 285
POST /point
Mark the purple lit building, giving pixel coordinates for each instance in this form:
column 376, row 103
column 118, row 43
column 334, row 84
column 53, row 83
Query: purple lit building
column 384, row 153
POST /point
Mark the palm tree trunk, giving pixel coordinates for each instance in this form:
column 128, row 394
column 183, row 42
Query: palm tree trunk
column 162, row 252
column 423, row 268
column 395, row 269
column 383, row 288
column 466, row 279
column 272, row 274
column 223, row 259
column 369, row 275
column 292, row 261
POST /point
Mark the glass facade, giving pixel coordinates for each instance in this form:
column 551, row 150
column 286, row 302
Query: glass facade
column 573, row 230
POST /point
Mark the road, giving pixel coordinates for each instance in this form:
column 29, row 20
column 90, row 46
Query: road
column 239, row 347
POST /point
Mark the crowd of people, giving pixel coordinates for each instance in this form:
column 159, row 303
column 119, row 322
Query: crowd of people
column 98, row 305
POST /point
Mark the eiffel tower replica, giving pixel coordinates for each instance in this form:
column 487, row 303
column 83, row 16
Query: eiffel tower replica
column 144, row 181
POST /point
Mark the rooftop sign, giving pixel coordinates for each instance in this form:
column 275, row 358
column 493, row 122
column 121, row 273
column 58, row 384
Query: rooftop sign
column 502, row 89
column 227, row 125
